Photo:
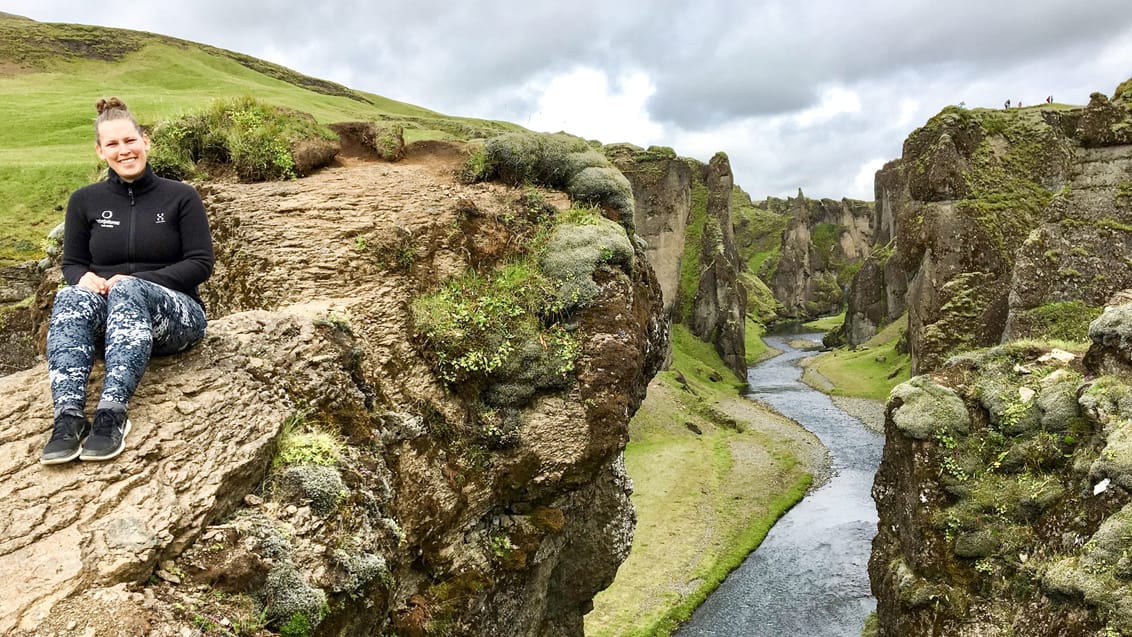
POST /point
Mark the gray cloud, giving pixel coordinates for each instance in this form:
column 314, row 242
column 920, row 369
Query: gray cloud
column 717, row 65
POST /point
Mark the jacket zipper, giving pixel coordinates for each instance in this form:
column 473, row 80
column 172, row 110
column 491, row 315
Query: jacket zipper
column 130, row 247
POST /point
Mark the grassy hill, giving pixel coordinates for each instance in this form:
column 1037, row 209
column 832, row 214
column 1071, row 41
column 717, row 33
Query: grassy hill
column 52, row 74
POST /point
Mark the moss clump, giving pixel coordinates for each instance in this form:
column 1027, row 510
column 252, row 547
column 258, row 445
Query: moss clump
column 360, row 569
column 542, row 361
column 323, row 486
column 603, row 185
column 555, row 160
column 292, row 605
column 927, row 408
column 304, row 443
column 507, row 331
column 475, row 323
column 576, row 250
column 260, row 142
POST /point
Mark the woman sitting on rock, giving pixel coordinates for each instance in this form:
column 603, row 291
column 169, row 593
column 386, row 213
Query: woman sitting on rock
column 135, row 248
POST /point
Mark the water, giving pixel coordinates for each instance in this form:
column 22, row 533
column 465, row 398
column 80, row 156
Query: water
column 809, row 576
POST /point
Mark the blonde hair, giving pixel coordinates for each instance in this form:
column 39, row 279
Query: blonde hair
column 111, row 109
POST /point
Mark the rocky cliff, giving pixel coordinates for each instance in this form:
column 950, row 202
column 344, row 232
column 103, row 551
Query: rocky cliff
column 822, row 246
column 998, row 224
column 308, row 467
column 1004, row 493
column 683, row 213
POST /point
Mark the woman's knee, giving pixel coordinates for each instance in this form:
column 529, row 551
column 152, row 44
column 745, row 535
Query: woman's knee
column 73, row 294
column 75, row 303
column 128, row 288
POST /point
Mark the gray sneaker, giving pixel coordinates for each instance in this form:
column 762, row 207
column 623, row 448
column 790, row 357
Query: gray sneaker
column 67, row 437
column 108, row 437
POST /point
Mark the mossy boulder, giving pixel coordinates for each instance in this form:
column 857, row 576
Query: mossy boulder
column 922, row 408
column 1105, row 123
column 576, row 250
column 322, row 486
column 291, row 604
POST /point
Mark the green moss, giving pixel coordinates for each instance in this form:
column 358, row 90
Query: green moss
column 689, row 283
column 305, row 443
column 603, row 185
column 928, row 408
column 291, row 604
column 504, row 331
column 558, row 161
column 576, row 250
column 1064, row 320
column 475, row 322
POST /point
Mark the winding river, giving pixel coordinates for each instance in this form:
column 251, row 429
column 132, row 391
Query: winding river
column 809, row 576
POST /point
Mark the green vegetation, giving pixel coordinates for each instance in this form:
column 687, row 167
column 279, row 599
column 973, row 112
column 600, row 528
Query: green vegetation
column 259, row 141
column 868, row 371
column 505, row 328
column 302, row 442
column 557, row 161
column 758, row 231
column 47, row 142
column 826, row 323
column 710, row 478
column 689, row 282
column 1062, row 321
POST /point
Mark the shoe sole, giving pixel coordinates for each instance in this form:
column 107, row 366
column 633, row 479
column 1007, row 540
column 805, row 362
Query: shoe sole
column 63, row 459
column 113, row 454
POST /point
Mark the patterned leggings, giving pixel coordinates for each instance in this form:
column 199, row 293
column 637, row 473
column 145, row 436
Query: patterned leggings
column 137, row 318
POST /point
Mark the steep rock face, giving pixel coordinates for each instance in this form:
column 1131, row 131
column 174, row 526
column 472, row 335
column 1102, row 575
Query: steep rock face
column 718, row 313
column 662, row 188
column 1004, row 493
column 684, row 215
column 823, row 245
column 990, row 221
column 422, row 524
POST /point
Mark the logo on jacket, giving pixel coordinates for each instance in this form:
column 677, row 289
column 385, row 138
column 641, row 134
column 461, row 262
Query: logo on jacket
column 108, row 220
column 160, row 218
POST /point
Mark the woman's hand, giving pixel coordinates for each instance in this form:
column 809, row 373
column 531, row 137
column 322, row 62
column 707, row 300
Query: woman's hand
column 99, row 285
column 94, row 283
column 115, row 279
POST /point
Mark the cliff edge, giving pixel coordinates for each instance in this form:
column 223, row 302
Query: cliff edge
column 306, row 467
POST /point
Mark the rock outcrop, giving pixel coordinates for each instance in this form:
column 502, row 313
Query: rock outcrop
column 823, row 245
column 996, row 225
column 404, row 512
column 683, row 212
column 1005, row 493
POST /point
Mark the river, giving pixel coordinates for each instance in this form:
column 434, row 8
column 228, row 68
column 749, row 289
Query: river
column 809, row 577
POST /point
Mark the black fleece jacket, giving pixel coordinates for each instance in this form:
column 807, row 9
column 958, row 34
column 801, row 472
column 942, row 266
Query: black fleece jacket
column 151, row 228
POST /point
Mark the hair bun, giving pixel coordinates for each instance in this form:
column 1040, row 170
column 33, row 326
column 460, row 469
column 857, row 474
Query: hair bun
column 110, row 104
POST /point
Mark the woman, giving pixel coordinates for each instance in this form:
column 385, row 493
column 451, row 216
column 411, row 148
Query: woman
column 135, row 248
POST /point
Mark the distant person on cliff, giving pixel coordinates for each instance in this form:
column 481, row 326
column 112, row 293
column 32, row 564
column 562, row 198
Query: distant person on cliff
column 1006, row 104
column 135, row 248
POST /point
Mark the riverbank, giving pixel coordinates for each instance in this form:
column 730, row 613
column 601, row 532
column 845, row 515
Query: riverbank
column 712, row 472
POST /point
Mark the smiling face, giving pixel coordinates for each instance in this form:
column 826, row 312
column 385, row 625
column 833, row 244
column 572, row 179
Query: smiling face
column 123, row 147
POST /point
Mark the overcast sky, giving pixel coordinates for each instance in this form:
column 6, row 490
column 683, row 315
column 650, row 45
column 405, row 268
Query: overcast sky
column 810, row 94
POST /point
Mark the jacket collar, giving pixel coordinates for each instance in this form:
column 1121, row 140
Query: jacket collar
column 143, row 183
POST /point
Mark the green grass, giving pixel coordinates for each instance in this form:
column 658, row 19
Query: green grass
column 827, row 323
column 871, row 370
column 703, row 502
column 47, row 141
column 756, row 347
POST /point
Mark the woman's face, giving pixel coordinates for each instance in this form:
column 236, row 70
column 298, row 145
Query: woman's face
column 122, row 147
